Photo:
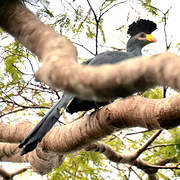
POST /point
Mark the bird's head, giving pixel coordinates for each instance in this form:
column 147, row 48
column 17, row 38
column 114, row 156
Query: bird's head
column 143, row 39
column 140, row 40
column 140, row 33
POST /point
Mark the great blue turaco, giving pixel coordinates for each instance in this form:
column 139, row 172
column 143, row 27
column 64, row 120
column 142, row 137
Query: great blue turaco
column 140, row 36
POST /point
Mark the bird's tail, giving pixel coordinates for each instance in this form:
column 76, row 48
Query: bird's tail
column 45, row 124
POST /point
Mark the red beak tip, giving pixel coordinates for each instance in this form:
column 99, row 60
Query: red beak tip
column 154, row 40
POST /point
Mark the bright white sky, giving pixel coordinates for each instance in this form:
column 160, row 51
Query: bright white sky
column 116, row 18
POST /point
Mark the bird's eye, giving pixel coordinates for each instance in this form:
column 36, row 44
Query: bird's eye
column 143, row 35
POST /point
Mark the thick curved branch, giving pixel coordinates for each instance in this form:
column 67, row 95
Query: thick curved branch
column 123, row 113
column 60, row 70
column 121, row 80
column 41, row 161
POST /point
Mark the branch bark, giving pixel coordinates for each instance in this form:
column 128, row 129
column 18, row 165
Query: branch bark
column 41, row 161
column 122, row 113
column 60, row 70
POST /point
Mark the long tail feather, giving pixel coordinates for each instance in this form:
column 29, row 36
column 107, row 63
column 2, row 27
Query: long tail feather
column 45, row 124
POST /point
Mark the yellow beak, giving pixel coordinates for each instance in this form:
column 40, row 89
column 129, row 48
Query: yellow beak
column 150, row 38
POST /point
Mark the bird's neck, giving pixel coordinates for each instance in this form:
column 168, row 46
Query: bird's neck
column 135, row 50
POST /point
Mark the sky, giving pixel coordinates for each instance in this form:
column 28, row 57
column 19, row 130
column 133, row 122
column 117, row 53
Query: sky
column 117, row 17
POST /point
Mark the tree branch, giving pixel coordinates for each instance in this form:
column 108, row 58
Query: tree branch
column 41, row 161
column 130, row 112
column 130, row 159
column 116, row 157
column 8, row 176
column 122, row 113
column 144, row 147
column 161, row 145
column 60, row 70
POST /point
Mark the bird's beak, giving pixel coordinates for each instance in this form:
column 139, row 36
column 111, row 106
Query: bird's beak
column 150, row 38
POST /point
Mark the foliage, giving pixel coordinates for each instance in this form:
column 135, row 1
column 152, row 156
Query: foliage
column 156, row 93
column 147, row 4
column 18, row 90
column 14, row 57
column 83, row 165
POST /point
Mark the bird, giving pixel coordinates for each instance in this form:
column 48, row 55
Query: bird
column 140, row 36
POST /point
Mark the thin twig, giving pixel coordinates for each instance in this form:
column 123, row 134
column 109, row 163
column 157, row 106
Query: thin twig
column 97, row 26
column 112, row 7
column 144, row 147
column 84, row 48
column 161, row 145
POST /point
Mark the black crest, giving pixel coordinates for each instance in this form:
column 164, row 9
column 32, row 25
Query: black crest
column 141, row 25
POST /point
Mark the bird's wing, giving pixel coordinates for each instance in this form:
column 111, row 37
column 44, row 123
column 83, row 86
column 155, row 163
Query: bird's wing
column 110, row 57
